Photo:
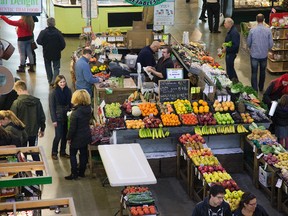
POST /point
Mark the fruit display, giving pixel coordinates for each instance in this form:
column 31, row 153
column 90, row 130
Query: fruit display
column 210, row 160
column 282, row 161
column 134, row 96
column 246, row 118
column 115, row 123
column 143, row 210
column 200, row 107
column 165, row 108
column 205, row 130
column 134, row 189
column 241, row 129
column 170, row 119
column 113, row 110
column 152, row 122
column 272, row 148
column 216, row 176
column 155, row 133
column 134, row 124
column 102, row 75
column 225, row 129
column 148, row 108
column 230, row 184
column 270, row 159
column 201, row 152
column 194, row 141
column 262, row 136
column 127, row 107
column 189, row 119
column 210, row 169
column 233, row 198
column 284, row 173
column 224, row 106
column 97, row 69
column 206, row 119
column 223, row 118
column 182, row 106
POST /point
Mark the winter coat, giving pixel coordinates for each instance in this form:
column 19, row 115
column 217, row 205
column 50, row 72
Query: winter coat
column 53, row 43
column 280, row 116
column 79, row 130
column 18, row 134
column 234, row 36
column 203, row 209
column 259, row 211
column 30, row 111
column 58, row 111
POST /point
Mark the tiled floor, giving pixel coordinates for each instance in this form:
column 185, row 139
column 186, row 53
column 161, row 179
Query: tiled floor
column 89, row 196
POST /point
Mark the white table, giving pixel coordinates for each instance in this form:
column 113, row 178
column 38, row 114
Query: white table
column 126, row 165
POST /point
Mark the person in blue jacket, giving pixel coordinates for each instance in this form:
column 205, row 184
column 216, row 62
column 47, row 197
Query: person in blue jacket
column 84, row 77
column 214, row 204
column 231, row 51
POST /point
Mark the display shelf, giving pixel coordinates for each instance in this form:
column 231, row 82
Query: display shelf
column 198, row 186
column 25, row 167
column 282, row 198
column 52, row 204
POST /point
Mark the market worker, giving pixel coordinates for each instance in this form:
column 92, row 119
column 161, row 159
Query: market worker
column 231, row 51
column 146, row 55
column 248, row 206
column 259, row 41
column 159, row 72
column 214, row 204
column 84, row 77
column 276, row 89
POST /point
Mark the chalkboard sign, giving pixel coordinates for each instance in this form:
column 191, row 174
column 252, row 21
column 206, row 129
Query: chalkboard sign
column 171, row 90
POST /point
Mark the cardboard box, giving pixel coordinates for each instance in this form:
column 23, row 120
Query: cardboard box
column 264, row 177
column 137, row 39
column 139, row 25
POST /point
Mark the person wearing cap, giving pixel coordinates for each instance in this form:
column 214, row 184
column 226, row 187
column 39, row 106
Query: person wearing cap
column 53, row 43
column 84, row 77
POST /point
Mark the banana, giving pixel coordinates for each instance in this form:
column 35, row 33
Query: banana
column 156, row 133
column 167, row 133
column 159, row 133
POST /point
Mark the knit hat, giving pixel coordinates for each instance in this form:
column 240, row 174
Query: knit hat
column 50, row 22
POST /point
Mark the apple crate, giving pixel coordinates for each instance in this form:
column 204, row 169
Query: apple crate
column 264, row 177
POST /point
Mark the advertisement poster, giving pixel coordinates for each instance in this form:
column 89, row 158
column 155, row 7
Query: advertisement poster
column 164, row 13
column 24, row 7
column 93, row 9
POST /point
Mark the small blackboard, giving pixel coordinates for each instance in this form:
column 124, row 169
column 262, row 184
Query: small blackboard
column 171, row 90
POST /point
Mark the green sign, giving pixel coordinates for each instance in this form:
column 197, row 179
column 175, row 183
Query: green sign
column 145, row 2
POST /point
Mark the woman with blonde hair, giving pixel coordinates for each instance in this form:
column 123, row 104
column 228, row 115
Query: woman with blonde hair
column 25, row 27
column 79, row 135
column 15, row 127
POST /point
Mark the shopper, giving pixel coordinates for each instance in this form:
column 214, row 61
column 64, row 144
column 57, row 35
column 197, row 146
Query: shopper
column 213, row 12
column 259, row 41
column 248, row 206
column 30, row 111
column 84, row 77
column 160, row 70
column 59, row 105
column 79, row 135
column 280, row 120
column 203, row 11
column 276, row 89
column 25, row 27
column 231, row 51
column 15, row 126
column 214, row 204
column 5, row 137
column 53, row 43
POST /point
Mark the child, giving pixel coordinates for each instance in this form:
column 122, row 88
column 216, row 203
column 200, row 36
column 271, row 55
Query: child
column 281, row 121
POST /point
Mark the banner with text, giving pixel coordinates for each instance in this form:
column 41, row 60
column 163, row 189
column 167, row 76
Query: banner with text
column 145, row 2
column 20, row 7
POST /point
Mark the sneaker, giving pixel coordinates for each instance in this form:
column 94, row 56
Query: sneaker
column 71, row 177
column 64, row 155
column 54, row 157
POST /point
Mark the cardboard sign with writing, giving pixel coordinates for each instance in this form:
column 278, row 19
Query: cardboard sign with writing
column 171, row 90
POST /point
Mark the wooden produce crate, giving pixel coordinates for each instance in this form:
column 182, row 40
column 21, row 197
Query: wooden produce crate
column 282, row 198
column 62, row 204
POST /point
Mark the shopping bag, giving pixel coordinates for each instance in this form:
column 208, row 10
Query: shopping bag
column 221, row 19
column 34, row 45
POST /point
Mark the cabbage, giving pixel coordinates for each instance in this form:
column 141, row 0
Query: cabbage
column 237, row 87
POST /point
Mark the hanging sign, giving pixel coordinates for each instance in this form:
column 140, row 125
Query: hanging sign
column 145, row 2
column 93, row 9
column 164, row 13
column 14, row 7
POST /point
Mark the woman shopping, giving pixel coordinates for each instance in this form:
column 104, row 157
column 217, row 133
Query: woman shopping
column 79, row 135
column 25, row 27
column 59, row 105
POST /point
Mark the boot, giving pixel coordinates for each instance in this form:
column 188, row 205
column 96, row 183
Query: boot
column 31, row 69
column 21, row 69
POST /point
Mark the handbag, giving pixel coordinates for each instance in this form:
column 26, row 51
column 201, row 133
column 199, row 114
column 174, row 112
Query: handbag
column 8, row 51
column 34, row 45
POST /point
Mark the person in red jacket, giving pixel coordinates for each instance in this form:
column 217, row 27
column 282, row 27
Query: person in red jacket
column 25, row 27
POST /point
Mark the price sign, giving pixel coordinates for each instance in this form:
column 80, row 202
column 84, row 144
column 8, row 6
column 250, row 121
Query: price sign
column 120, row 38
column 111, row 39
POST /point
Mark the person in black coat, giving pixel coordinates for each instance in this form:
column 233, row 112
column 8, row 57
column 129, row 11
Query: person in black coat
column 231, row 52
column 53, row 43
column 280, row 120
column 5, row 137
column 59, row 105
column 249, row 206
column 79, row 134
column 214, row 204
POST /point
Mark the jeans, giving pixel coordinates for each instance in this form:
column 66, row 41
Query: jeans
column 48, row 67
column 24, row 48
column 83, row 160
column 230, row 58
column 254, row 68
column 203, row 9
column 60, row 134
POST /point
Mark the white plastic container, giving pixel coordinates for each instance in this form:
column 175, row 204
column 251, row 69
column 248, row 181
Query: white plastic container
column 130, row 60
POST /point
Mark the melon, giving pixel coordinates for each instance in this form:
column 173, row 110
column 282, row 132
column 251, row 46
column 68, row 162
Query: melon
column 136, row 111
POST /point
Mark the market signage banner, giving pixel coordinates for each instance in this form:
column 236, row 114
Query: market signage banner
column 164, row 13
column 145, row 2
column 20, row 7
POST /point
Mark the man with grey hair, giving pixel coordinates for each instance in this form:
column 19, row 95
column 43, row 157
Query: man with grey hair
column 53, row 43
column 231, row 51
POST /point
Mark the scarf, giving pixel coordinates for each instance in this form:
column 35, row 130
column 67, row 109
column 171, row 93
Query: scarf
column 63, row 96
